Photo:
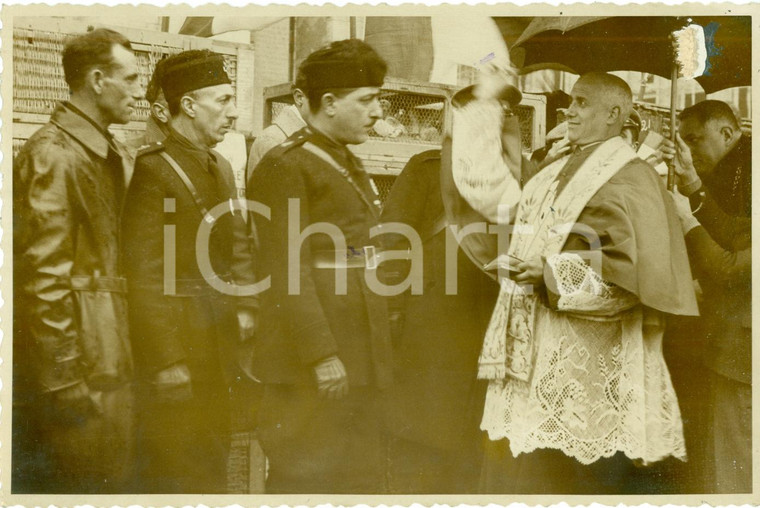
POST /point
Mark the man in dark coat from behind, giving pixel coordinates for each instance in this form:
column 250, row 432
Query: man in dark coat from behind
column 187, row 321
column 323, row 347
column 434, row 406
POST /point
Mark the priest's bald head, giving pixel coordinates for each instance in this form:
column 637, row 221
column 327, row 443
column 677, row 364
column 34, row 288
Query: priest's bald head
column 600, row 105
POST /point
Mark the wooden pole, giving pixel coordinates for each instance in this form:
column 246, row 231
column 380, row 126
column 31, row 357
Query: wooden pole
column 673, row 106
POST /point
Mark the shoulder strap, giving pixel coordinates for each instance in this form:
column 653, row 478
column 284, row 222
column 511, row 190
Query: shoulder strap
column 311, row 147
column 186, row 180
column 322, row 154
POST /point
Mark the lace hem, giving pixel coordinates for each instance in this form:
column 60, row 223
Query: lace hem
column 599, row 387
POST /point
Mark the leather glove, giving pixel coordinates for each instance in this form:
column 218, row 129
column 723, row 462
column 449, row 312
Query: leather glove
column 246, row 324
column 332, row 381
column 173, row 384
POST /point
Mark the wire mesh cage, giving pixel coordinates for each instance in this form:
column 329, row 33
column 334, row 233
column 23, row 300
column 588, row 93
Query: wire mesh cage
column 410, row 118
column 384, row 184
column 39, row 81
column 37, row 71
column 276, row 106
column 526, row 115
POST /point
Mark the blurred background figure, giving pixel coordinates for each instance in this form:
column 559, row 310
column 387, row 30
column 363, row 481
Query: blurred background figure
column 290, row 120
column 157, row 125
column 632, row 129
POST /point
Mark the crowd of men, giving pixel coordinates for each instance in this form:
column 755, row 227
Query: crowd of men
column 534, row 360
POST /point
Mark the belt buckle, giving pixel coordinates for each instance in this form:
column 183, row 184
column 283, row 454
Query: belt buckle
column 370, row 257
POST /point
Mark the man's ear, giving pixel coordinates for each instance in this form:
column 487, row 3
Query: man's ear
column 328, row 103
column 298, row 97
column 727, row 134
column 187, row 104
column 160, row 112
column 95, row 80
column 614, row 115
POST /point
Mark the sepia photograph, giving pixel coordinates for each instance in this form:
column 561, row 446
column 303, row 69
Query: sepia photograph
column 377, row 254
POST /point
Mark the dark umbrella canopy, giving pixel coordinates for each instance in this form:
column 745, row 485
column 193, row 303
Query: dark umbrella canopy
column 584, row 44
column 729, row 52
column 634, row 43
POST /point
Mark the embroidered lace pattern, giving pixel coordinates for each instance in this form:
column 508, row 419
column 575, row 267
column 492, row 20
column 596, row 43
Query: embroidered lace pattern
column 581, row 289
column 541, row 226
column 600, row 384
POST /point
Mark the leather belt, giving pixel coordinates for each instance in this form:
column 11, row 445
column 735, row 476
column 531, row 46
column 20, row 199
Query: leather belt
column 182, row 287
column 367, row 257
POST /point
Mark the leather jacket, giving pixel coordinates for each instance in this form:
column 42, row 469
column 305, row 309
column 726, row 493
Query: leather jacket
column 70, row 318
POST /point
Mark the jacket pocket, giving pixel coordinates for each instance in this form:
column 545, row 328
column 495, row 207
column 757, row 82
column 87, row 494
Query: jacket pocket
column 103, row 331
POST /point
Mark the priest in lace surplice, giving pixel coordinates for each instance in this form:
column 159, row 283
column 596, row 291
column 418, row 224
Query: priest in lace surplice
column 579, row 398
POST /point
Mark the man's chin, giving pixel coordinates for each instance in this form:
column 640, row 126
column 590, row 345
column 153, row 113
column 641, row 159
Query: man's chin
column 123, row 120
column 358, row 140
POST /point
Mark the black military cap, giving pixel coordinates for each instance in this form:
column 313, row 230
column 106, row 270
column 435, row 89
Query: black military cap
column 193, row 70
column 344, row 64
column 509, row 93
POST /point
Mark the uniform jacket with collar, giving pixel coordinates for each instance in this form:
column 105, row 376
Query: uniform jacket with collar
column 71, row 316
column 195, row 324
column 298, row 330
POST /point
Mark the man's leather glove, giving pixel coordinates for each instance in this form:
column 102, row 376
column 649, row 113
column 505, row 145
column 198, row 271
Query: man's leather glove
column 173, row 384
column 332, row 381
column 246, row 324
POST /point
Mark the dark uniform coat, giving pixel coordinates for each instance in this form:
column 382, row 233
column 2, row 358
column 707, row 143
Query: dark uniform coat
column 298, row 330
column 184, row 443
column 70, row 305
column 721, row 254
column 435, row 405
column 315, row 445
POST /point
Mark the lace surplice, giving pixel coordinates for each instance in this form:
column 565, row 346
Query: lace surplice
column 600, row 384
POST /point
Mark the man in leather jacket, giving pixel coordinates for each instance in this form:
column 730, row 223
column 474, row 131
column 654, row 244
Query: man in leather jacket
column 72, row 416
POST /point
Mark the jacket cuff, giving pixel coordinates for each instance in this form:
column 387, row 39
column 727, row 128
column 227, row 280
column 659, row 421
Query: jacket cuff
column 691, row 187
column 248, row 302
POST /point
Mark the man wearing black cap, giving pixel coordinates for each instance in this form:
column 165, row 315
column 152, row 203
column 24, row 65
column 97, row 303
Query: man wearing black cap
column 183, row 313
column 323, row 347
